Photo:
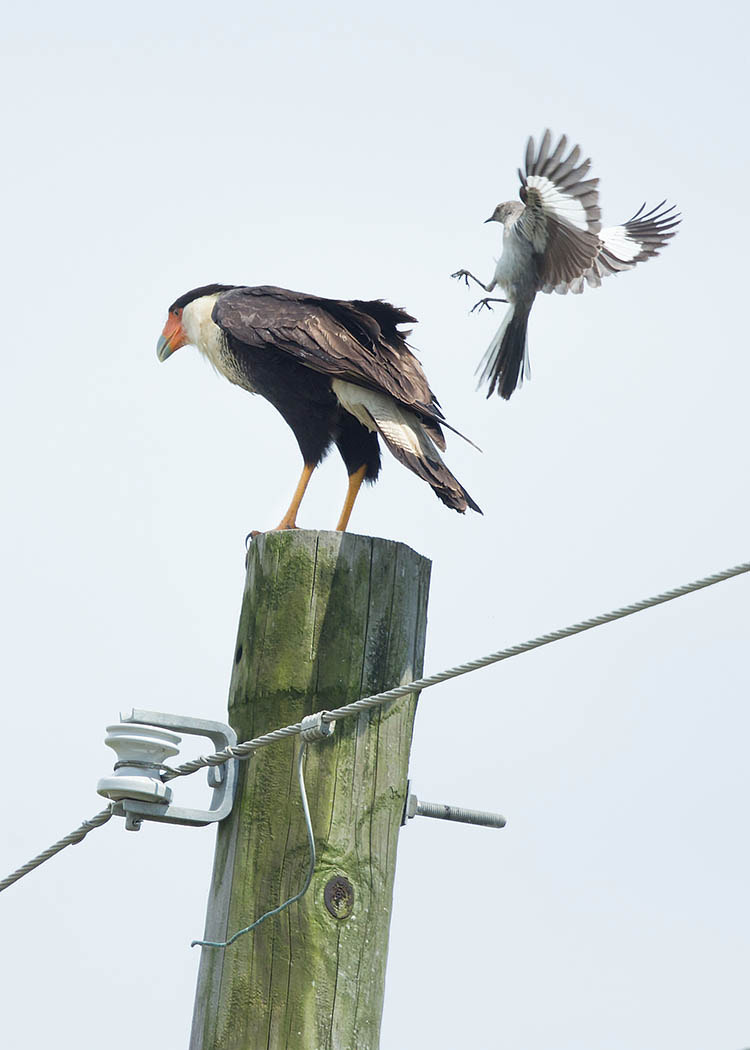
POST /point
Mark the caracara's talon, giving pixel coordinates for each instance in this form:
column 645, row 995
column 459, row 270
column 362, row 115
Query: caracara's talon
column 281, row 527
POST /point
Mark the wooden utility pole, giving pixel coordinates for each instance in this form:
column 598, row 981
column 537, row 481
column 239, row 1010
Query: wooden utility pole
column 326, row 618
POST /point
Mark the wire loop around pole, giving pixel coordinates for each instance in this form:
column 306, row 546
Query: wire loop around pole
column 310, row 869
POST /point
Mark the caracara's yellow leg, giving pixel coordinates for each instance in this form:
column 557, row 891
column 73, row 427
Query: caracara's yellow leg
column 355, row 483
column 289, row 521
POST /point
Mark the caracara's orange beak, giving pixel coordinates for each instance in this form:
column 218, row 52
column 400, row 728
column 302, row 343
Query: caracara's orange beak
column 173, row 336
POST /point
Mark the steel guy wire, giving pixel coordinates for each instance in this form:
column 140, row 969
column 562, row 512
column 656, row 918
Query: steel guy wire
column 245, row 749
column 70, row 840
column 310, row 870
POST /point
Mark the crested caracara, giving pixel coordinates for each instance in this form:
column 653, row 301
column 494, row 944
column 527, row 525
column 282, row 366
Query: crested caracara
column 338, row 372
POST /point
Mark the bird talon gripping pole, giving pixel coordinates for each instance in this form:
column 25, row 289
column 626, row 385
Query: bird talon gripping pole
column 143, row 740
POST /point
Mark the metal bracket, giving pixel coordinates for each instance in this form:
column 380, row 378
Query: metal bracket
column 222, row 779
column 439, row 811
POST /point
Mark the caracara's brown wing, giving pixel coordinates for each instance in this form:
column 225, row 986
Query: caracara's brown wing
column 357, row 342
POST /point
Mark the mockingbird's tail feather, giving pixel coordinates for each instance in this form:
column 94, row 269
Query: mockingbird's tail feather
column 506, row 363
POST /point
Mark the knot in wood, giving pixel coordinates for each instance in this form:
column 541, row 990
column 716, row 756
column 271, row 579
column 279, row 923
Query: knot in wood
column 339, row 897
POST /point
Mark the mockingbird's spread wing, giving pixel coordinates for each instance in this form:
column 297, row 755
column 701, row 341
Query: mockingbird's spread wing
column 621, row 247
column 562, row 217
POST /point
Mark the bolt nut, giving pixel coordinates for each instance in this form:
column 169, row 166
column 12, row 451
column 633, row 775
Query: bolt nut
column 339, row 897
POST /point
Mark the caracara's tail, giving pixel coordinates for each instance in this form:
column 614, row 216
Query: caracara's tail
column 410, row 443
column 506, row 363
column 410, row 439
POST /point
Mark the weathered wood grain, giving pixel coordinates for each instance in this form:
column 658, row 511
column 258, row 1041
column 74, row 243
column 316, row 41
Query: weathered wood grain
column 326, row 617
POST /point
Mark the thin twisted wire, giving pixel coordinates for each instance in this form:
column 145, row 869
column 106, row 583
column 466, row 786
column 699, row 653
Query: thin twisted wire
column 70, row 840
column 310, row 867
column 245, row 749
column 535, row 643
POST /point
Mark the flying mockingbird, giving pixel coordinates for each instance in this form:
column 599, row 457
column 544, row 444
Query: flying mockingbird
column 554, row 242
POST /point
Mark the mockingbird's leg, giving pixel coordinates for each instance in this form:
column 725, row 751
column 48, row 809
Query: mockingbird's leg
column 486, row 303
column 466, row 275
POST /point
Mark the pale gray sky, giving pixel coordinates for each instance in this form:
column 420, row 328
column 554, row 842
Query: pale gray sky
column 354, row 152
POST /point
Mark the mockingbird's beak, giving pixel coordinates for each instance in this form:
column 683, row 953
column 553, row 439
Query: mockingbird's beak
column 491, row 219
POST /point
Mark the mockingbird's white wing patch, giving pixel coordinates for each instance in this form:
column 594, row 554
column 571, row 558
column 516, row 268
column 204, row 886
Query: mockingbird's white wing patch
column 622, row 247
column 556, row 202
column 562, row 218
column 617, row 241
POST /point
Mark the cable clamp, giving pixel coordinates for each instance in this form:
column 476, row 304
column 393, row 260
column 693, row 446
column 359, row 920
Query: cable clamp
column 314, row 728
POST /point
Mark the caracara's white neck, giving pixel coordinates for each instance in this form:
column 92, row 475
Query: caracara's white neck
column 211, row 341
column 201, row 330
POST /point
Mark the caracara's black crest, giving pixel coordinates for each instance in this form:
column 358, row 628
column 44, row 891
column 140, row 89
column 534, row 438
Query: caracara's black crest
column 198, row 293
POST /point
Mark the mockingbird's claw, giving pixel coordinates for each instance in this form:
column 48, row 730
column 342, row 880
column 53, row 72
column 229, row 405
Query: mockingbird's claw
column 485, row 303
column 462, row 273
